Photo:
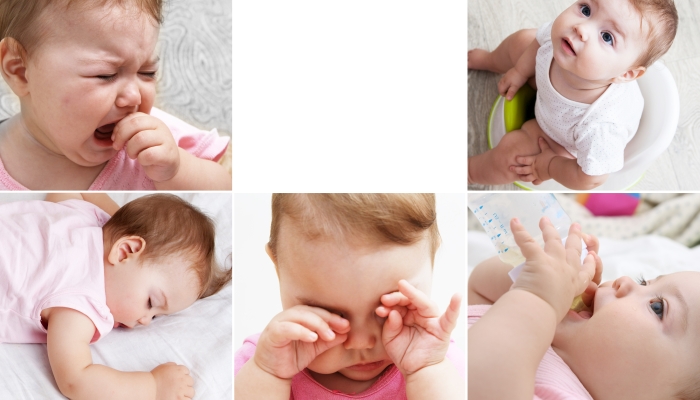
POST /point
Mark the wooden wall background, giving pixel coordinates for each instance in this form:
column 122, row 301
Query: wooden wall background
column 194, row 81
column 491, row 21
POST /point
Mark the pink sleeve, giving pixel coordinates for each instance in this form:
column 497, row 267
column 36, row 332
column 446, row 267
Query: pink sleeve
column 202, row 144
column 245, row 353
column 92, row 211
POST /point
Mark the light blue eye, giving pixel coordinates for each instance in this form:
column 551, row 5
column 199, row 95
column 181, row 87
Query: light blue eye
column 658, row 308
column 586, row 11
column 607, row 37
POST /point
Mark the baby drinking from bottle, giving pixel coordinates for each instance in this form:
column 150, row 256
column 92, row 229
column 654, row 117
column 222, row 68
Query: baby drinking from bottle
column 638, row 341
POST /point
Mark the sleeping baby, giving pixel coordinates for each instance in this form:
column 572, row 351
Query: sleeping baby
column 355, row 272
column 584, row 66
column 635, row 340
column 77, row 266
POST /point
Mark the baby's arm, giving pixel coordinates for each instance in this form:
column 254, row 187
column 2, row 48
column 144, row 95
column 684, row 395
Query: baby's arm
column 507, row 344
column 523, row 70
column 488, row 281
column 548, row 165
column 68, row 344
column 101, row 200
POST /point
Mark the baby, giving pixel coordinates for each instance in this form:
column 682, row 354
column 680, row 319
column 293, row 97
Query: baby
column 71, row 274
column 355, row 273
column 84, row 73
column 636, row 340
column 584, row 65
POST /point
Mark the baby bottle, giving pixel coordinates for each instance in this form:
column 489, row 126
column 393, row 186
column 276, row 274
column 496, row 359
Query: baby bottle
column 495, row 210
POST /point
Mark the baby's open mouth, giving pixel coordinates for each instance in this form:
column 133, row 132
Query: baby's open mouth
column 567, row 46
column 104, row 132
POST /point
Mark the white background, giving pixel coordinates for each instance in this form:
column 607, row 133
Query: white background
column 256, row 289
column 366, row 93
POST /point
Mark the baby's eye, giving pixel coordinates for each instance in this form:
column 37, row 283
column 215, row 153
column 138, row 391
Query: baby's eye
column 657, row 306
column 148, row 74
column 108, row 78
column 585, row 10
column 641, row 280
column 607, row 37
column 150, row 305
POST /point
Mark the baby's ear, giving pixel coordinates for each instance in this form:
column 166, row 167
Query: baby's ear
column 272, row 256
column 12, row 65
column 125, row 248
column 629, row 76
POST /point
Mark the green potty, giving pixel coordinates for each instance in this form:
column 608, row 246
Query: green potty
column 509, row 115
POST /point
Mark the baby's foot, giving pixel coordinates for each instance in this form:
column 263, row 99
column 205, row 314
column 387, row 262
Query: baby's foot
column 479, row 59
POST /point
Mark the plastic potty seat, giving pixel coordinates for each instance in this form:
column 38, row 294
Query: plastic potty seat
column 656, row 128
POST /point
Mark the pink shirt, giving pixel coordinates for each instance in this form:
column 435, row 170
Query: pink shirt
column 554, row 379
column 51, row 255
column 123, row 173
column 389, row 386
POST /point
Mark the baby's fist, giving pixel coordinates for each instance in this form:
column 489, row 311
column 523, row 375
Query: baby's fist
column 149, row 141
column 173, row 382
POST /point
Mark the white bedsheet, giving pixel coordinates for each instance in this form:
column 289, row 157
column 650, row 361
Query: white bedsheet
column 198, row 337
column 647, row 255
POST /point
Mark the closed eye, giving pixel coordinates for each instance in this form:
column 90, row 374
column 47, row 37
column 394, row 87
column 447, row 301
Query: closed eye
column 107, row 78
column 148, row 74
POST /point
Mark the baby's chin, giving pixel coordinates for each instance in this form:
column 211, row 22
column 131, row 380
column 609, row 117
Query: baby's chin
column 357, row 372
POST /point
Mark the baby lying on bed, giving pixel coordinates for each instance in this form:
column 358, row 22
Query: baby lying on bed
column 355, row 271
column 638, row 341
column 71, row 273
column 584, row 65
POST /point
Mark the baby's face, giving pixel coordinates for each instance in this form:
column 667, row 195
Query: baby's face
column 640, row 339
column 138, row 293
column 599, row 40
column 349, row 279
column 90, row 71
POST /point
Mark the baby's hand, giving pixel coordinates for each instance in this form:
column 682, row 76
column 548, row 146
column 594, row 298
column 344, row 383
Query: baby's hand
column 296, row 336
column 553, row 274
column 149, row 141
column 535, row 168
column 415, row 335
column 173, row 382
column 510, row 83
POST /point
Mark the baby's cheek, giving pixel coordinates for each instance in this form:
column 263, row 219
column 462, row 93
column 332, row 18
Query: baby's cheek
column 329, row 361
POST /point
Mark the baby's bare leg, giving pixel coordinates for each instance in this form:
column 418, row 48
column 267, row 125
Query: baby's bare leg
column 506, row 54
column 493, row 166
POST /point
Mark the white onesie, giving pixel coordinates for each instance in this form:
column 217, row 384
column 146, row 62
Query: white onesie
column 596, row 134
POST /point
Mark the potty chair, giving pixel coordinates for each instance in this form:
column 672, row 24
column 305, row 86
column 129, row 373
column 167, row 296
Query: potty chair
column 656, row 128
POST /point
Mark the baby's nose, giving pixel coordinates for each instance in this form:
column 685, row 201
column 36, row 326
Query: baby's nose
column 360, row 339
column 581, row 32
column 623, row 286
column 146, row 320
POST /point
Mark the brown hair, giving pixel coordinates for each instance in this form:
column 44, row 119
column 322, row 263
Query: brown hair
column 662, row 32
column 171, row 226
column 394, row 218
column 21, row 19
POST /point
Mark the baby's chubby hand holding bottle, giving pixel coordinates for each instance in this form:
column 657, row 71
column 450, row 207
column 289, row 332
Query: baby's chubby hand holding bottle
column 495, row 210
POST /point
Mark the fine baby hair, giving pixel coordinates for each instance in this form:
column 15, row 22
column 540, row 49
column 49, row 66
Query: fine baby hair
column 22, row 21
column 171, row 226
column 662, row 18
column 395, row 218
